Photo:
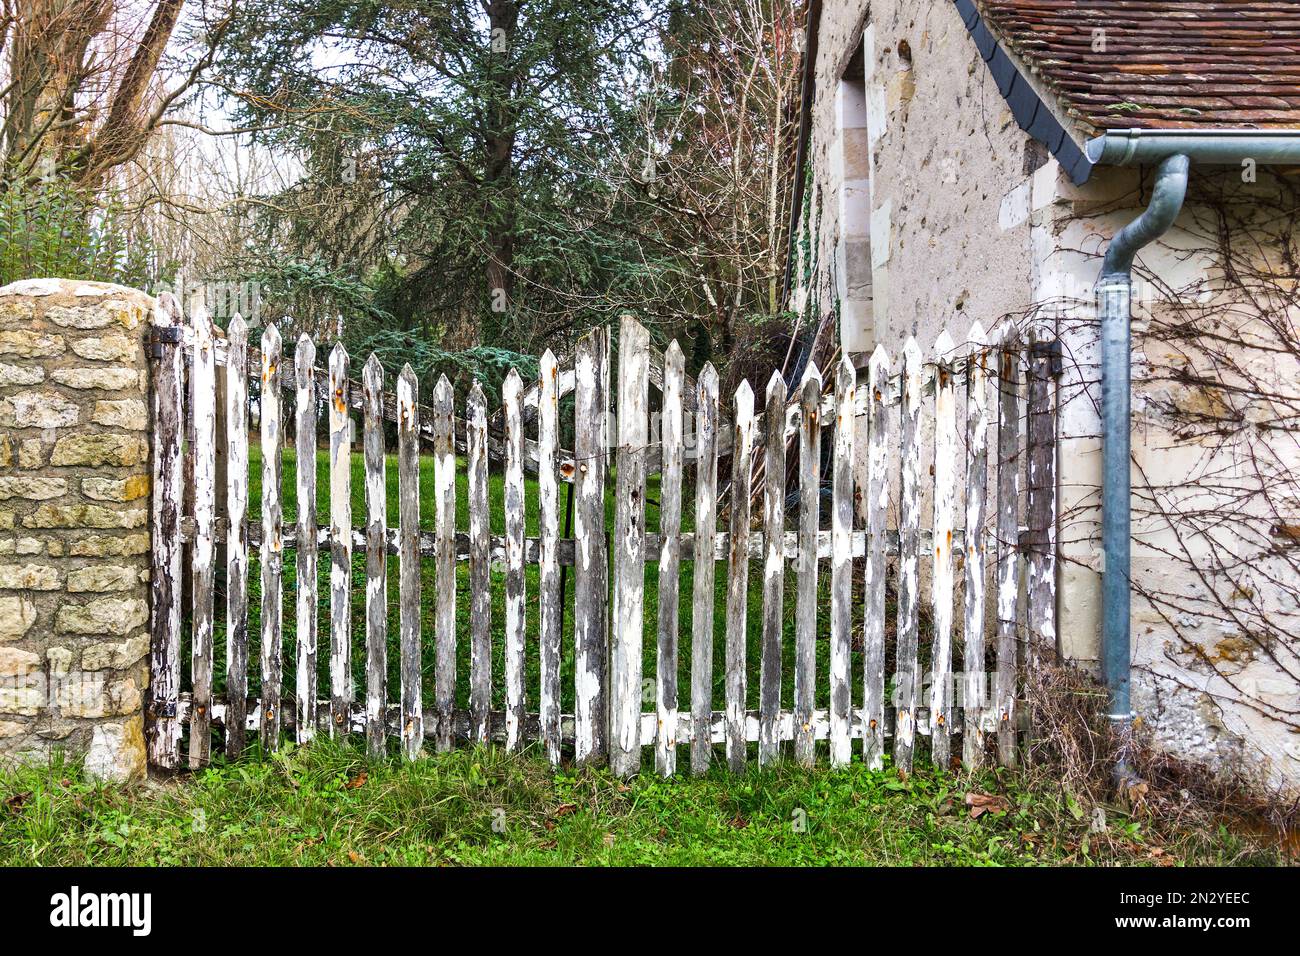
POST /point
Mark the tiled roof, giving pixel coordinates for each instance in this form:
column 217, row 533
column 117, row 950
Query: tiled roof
column 1221, row 64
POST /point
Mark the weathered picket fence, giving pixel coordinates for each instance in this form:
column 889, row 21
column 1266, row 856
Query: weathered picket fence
column 888, row 412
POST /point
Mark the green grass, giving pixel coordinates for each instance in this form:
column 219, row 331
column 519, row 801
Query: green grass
column 327, row 805
column 428, row 596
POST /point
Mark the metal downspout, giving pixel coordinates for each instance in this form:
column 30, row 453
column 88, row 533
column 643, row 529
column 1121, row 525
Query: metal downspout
column 1115, row 306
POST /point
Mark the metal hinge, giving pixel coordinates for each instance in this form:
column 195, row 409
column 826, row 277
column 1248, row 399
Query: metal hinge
column 1053, row 352
column 163, row 335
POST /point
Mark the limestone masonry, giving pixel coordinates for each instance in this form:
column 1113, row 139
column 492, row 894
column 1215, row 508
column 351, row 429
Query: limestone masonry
column 74, row 515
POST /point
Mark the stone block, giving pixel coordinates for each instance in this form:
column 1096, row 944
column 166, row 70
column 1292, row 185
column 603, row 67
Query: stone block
column 102, row 616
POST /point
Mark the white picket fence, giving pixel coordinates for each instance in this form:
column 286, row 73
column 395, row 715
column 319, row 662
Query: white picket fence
column 1007, row 386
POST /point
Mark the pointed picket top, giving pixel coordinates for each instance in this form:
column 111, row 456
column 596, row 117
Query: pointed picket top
column 811, row 373
column 476, row 397
column 168, row 310
column 512, row 387
column 373, row 371
column 845, row 374
column 200, row 321
column 708, row 380
column 237, row 330
column 912, row 370
column 443, row 392
column 673, row 352
column 407, row 389
column 977, row 337
column 943, row 348
column 270, row 338
column 548, row 367
column 911, row 351
column 879, row 360
column 776, row 386
column 1005, row 337
column 338, row 356
column 744, row 402
column 305, row 358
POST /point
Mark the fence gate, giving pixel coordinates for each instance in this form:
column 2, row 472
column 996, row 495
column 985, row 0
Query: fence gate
column 886, row 574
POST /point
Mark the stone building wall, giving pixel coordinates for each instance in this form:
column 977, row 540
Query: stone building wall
column 74, row 523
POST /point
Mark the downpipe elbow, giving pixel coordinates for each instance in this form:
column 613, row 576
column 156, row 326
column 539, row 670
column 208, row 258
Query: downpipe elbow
column 1166, row 202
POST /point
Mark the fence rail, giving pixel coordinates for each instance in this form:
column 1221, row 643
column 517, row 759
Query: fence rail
column 201, row 380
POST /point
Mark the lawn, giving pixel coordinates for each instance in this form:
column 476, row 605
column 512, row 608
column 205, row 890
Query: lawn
column 327, row 805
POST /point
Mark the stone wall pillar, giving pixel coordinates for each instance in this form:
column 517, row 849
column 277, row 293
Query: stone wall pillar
column 74, row 523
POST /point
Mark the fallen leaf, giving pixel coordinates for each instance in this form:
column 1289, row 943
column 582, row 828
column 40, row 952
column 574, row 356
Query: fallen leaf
column 358, row 781
column 609, row 839
column 738, row 822
column 982, row 803
column 565, row 808
column 356, row 857
column 15, row 803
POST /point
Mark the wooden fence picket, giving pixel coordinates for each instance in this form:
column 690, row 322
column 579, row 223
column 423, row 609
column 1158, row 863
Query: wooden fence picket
column 1040, row 505
column 706, row 520
column 480, row 568
column 877, row 506
column 305, row 439
column 629, row 549
column 272, row 552
column 408, row 491
column 590, row 591
column 514, row 513
column 164, row 731
column 805, row 634
column 203, row 402
column 941, row 590
column 340, row 425
column 549, row 607
column 444, row 502
column 1008, row 531
column 742, row 444
column 376, row 559
column 670, row 527
column 909, row 558
column 842, row 564
column 236, row 536
column 977, row 459
column 769, row 740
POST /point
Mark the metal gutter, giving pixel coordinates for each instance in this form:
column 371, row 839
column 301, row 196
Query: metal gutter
column 1125, row 147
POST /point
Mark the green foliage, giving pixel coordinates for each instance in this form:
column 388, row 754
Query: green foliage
column 54, row 229
column 295, row 285
column 485, row 364
column 449, row 150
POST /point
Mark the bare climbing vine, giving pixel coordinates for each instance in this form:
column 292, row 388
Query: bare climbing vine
column 1216, row 488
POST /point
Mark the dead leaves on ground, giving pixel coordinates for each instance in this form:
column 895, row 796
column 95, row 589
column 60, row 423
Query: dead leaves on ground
column 982, row 803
